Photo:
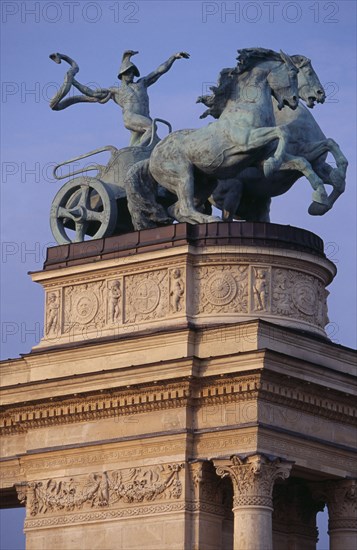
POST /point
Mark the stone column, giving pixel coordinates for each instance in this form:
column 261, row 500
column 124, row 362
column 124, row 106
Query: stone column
column 341, row 497
column 206, row 504
column 253, row 480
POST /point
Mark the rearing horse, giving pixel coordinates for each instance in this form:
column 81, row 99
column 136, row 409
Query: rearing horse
column 248, row 195
column 188, row 163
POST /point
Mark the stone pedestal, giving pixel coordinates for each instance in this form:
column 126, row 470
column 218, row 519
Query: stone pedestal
column 167, row 353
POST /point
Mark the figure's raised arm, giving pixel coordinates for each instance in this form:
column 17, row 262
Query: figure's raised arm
column 58, row 102
column 163, row 68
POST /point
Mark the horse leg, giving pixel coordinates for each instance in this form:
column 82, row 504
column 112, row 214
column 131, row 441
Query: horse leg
column 320, row 204
column 333, row 176
column 226, row 197
column 260, row 137
column 184, row 209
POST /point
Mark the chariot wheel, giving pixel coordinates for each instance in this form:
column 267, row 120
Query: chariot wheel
column 83, row 206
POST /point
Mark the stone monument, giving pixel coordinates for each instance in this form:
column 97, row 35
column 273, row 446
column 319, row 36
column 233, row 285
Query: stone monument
column 185, row 394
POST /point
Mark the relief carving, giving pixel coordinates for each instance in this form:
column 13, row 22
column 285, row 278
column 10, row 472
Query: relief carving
column 146, row 296
column 253, row 477
column 114, row 301
column 221, row 289
column 104, row 489
column 177, row 291
column 206, row 486
column 341, row 499
column 281, row 293
column 53, row 313
column 300, row 296
column 260, row 288
column 84, row 306
column 304, row 297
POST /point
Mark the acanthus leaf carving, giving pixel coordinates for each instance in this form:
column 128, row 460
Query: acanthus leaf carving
column 341, row 499
column 253, row 477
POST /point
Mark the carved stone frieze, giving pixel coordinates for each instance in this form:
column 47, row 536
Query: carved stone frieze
column 114, row 301
column 299, row 295
column 205, row 485
column 102, row 489
column 104, row 513
column 221, row 289
column 233, row 283
column 177, row 290
column 53, row 313
column 146, row 296
column 84, row 307
column 253, row 477
column 260, row 297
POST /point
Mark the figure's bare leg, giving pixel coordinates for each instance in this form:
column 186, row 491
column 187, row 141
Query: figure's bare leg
column 141, row 126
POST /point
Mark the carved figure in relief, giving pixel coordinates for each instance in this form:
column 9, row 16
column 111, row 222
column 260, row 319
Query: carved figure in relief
column 260, row 289
column 102, row 489
column 114, row 301
column 177, row 291
column 52, row 313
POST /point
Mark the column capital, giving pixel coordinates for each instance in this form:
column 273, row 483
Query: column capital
column 341, row 499
column 253, row 477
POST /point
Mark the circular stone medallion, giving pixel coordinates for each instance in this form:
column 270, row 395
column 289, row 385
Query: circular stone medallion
column 220, row 289
column 146, row 297
column 304, row 297
column 85, row 306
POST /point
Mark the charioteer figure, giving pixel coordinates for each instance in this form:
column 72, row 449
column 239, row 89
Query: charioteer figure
column 131, row 96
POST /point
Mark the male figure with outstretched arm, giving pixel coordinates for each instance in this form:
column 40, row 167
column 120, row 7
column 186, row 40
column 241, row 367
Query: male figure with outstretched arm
column 131, row 96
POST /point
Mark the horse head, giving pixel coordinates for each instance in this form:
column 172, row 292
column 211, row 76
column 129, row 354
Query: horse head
column 310, row 87
column 283, row 82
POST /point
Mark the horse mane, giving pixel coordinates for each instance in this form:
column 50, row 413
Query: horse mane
column 217, row 101
column 247, row 58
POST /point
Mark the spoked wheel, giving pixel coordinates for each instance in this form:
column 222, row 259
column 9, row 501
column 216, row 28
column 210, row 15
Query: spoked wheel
column 83, row 206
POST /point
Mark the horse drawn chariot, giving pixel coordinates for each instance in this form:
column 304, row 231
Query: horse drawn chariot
column 255, row 150
column 96, row 207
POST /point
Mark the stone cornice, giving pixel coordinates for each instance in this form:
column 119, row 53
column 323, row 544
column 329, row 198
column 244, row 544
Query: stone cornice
column 260, row 386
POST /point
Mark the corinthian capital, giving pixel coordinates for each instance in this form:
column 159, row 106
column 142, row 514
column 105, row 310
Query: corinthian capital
column 341, row 499
column 253, row 477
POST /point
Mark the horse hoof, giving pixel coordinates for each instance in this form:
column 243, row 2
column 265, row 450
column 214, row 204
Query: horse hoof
column 269, row 167
column 318, row 209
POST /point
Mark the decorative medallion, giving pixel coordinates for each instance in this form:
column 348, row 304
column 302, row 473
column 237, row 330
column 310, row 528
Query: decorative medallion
column 85, row 306
column 304, row 297
column 220, row 289
column 147, row 296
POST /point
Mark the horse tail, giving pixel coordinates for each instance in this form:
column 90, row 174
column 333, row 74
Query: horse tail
column 141, row 192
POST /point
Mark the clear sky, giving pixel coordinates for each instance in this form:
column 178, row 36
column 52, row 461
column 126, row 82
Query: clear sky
column 95, row 34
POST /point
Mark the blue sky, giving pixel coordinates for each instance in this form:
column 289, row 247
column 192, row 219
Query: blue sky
column 95, row 34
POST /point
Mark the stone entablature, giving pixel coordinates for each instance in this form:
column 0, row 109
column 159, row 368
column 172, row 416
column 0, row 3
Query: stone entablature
column 177, row 360
column 190, row 278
